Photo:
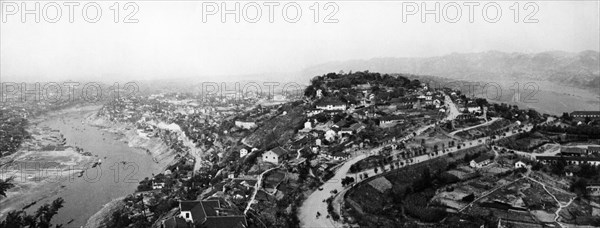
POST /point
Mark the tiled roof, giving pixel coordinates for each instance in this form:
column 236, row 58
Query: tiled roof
column 226, row 222
column 393, row 117
column 594, row 148
column 279, row 151
column 483, row 158
column 575, row 150
column 567, row 158
column 210, row 214
column 187, row 205
column 329, row 101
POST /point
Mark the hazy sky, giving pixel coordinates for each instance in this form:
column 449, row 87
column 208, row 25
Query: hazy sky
column 171, row 40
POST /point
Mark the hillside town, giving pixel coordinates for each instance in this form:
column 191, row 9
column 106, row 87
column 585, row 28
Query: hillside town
column 356, row 149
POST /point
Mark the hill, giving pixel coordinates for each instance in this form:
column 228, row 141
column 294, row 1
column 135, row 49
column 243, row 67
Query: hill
column 581, row 70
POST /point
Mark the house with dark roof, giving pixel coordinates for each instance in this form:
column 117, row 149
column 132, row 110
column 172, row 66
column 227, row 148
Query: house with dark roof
column 481, row 161
column 571, row 160
column 593, row 149
column 593, row 189
column 357, row 127
column 275, row 155
column 466, row 116
column 340, row 124
column 405, row 102
column 211, row 214
column 573, row 151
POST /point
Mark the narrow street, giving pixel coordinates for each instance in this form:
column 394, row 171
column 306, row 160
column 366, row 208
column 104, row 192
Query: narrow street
column 314, row 203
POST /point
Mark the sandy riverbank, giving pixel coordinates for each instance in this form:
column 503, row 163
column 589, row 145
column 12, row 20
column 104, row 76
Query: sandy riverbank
column 40, row 168
column 62, row 160
column 154, row 147
column 129, row 134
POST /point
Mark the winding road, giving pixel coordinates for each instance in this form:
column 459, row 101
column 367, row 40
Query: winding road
column 315, row 202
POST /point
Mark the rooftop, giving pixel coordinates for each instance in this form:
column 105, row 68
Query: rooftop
column 211, row 215
column 575, row 150
column 279, row 151
column 567, row 158
column 329, row 101
column 483, row 158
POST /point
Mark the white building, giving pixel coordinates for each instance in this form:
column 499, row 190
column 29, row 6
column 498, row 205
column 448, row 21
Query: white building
column 473, row 108
column 314, row 112
column 520, row 164
column 275, row 155
column 245, row 124
column 308, row 125
column 158, row 185
column 243, row 152
column 481, row 161
column 330, row 135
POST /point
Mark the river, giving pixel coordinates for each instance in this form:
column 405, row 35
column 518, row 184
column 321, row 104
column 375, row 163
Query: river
column 121, row 168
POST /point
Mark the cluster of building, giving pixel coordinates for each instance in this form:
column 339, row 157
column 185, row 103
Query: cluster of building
column 575, row 156
column 594, row 115
column 209, row 213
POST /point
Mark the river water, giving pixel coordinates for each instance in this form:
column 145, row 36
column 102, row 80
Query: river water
column 121, row 168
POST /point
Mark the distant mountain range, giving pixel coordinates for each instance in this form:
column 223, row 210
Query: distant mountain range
column 579, row 70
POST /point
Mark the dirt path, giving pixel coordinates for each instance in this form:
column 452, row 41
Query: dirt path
column 256, row 188
column 494, row 119
column 560, row 205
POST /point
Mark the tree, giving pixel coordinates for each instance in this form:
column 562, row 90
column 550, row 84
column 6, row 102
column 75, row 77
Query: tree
column 579, row 187
column 469, row 198
column 347, row 180
column 566, row 116
column 310, row 91
column 5, row 185
column 119, row 218
column 41, row 218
